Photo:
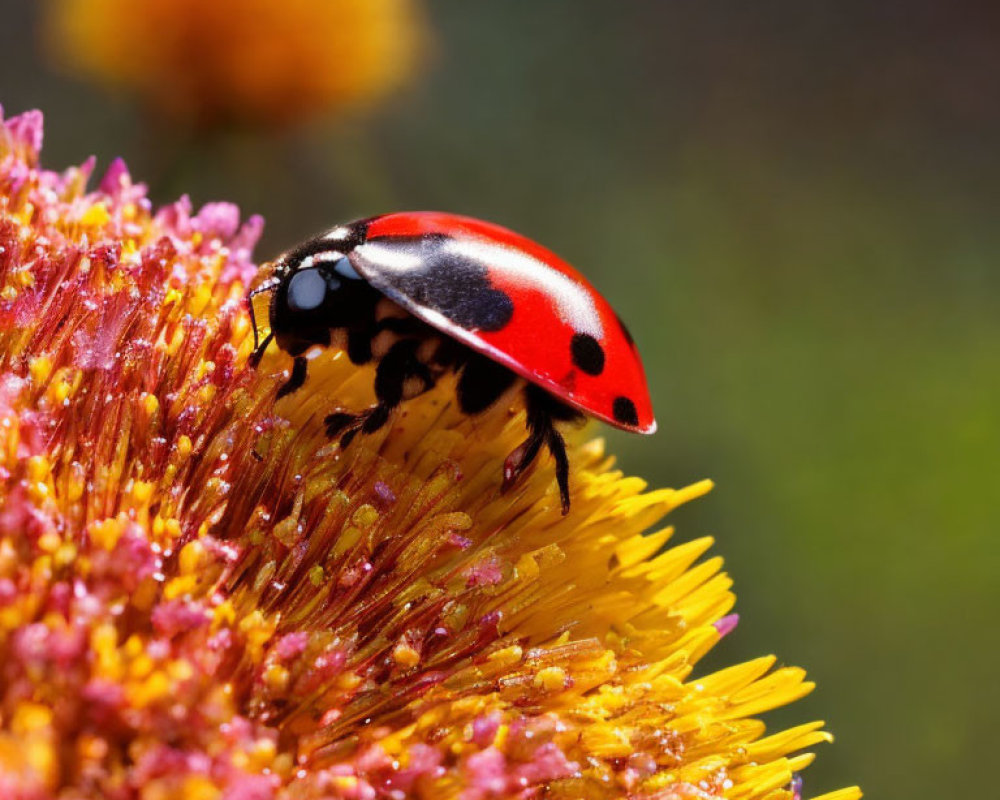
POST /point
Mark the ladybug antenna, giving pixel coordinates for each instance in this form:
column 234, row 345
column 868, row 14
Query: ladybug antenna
column 259, row 346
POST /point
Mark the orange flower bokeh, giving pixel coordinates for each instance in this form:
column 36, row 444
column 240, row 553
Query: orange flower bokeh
column 247, row 61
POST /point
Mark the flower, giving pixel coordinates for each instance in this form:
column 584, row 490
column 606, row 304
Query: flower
column 202, row 597
column 252, row 61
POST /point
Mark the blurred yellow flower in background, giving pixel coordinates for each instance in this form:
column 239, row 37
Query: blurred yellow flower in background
column 246, row 61
column 203, row 597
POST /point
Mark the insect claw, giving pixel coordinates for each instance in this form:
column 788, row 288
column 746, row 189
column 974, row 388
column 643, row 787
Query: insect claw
column 258, row 346
column 513, row 466
column 348, row 437
column 337, row 422
column 258, row 350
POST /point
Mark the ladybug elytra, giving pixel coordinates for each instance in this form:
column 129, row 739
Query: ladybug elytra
column 424, row 293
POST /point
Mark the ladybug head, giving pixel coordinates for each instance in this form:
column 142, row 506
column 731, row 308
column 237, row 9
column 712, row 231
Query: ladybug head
column 314, row 289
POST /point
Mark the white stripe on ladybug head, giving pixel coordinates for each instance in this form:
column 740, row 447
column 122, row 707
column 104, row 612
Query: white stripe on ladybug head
column 341, row 265
column 325, row 257
column 339, row 234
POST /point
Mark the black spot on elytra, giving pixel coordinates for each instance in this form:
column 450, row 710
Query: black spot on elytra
column 456, row 286
column 587, row 353
column 624, row 411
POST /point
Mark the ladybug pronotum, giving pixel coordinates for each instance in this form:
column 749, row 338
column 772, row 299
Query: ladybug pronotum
column 423, row 293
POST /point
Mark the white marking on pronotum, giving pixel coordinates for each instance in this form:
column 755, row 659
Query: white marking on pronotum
column 338, row 234
column 320, row 258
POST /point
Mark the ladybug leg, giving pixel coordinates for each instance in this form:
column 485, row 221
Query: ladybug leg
column 359, row 346
column 557, row 446
column 338, row 422
column 407, row 325
column 482, row 383
column 520, row 459
column 398, row 366
column 258, row 350
column 297, row 379
column 543, row 412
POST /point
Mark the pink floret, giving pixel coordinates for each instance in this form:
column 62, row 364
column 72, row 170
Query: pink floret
column 727, row 624
column 486, row 774
column 251, row 787
column 176, row 616
column 549, row 763
column 487, row 572
column 26, row 130
column 484, row 729
column 291, row 645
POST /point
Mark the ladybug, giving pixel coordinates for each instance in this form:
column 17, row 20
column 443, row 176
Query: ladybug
column 423, row 293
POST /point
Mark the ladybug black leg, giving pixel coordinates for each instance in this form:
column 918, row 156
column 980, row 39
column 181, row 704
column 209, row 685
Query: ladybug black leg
column 258, row 351
column 543, row 411
column 338, row 422
column 482, row 383
column 297, row 378
column 398, row 366
column 405, row 326
column 557, row 446
column 359, row 346
column 520, row 459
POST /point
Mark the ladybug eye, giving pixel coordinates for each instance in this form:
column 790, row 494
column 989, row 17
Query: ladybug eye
column 344, row 268
column 307, row 289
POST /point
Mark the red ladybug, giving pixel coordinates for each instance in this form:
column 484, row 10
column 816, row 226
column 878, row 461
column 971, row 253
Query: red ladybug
column 423, row 293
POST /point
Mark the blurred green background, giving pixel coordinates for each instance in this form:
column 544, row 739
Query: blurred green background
column 794, row 205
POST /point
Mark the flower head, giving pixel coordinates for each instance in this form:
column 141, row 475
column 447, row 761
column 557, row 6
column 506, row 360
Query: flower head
column 201, row 596
column 252, row 61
